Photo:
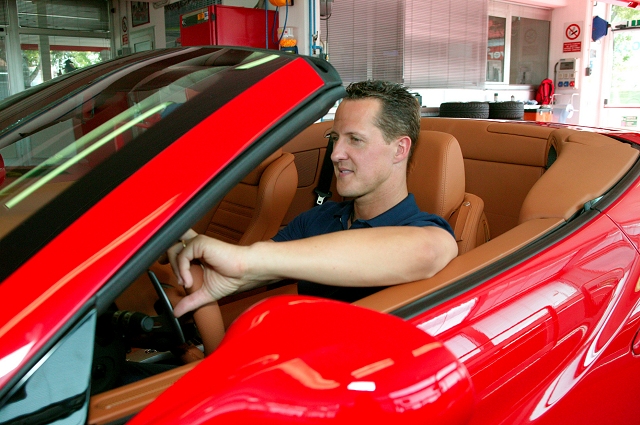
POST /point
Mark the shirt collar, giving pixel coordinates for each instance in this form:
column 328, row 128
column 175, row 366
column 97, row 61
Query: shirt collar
column 343, row 213
column 406, row 205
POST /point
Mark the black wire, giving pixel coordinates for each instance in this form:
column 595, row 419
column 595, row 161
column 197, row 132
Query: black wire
column 326, row 38
column 326, row 22
column 273, row 27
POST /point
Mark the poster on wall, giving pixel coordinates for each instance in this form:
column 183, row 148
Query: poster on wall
column 139, row 13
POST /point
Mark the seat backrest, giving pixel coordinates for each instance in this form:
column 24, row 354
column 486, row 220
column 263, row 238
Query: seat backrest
column 254, row 209
column 436, row 178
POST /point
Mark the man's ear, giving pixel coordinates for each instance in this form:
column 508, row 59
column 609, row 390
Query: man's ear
column 403, row 147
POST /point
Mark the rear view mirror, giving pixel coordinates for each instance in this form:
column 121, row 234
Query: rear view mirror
column 295, row 359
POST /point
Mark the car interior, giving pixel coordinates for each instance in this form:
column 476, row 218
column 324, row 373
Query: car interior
column 500, row 185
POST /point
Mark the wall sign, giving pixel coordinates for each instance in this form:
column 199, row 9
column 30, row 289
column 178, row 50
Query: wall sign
column 572, row 37
column 573, row 47
column 573, row 31
column 139, row 13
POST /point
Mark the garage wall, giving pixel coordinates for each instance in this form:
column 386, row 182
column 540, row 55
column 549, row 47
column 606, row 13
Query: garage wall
column 586, row 101
column 577, row 12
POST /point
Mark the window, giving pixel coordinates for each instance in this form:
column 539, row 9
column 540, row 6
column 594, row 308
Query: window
column 4, row 74
column 495, row 49
column 625, row 88
column 529, row 50
column 445, row 44
column 57, row 388
column 423, row 45
column 517, row 44
column 47, row 38
column 76, row 15
column 66, row 54
column 49, row 56
column 365, row 39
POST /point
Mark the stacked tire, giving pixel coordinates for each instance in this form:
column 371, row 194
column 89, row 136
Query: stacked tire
column 506, row 110
column 464, row 110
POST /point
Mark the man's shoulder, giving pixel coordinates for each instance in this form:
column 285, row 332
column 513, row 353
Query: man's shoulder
column 413, row 216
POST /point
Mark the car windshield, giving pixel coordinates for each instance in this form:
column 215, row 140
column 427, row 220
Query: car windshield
column 53, row 147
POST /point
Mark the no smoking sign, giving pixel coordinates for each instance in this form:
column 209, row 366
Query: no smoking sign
column 572, row 31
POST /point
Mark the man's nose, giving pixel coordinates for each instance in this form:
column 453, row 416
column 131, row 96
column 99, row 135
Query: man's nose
column 338, row 152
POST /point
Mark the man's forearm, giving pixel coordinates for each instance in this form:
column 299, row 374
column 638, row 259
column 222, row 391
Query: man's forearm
column 359, row 257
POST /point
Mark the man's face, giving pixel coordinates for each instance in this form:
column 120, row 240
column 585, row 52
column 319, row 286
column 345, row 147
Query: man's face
column 362, row 159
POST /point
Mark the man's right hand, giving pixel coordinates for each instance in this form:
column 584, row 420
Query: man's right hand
column 222, row 264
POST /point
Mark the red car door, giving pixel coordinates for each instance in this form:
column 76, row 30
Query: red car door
column 551, row 338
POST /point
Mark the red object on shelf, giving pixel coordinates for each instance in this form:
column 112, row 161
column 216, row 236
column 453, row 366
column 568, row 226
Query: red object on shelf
column 230, row 26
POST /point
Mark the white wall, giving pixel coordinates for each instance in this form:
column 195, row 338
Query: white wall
column 121, row 9
column 578, row 12
column 299, row 18
column 588, row 98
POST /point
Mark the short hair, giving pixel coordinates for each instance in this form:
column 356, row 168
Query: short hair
column 400, row 112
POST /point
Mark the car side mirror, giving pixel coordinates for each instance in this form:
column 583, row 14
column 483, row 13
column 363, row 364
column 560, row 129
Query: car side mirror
column 297, row 359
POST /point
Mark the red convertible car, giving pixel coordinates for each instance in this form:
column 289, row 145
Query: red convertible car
column 534, row 322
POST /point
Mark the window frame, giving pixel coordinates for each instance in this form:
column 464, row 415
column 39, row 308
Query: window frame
column 607, row 83
column 508, row 11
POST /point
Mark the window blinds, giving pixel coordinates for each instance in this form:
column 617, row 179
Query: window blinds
column 421, row 43
column 446, row 43
column 78, row 15
column 365, row 39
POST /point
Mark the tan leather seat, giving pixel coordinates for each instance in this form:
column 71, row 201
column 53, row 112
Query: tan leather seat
column 437, row 180
column 254, row 209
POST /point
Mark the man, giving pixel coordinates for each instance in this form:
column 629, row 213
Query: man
column 389, row 241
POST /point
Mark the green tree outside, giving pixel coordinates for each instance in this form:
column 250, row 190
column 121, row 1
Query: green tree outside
column 625, row 86
column 31, row 63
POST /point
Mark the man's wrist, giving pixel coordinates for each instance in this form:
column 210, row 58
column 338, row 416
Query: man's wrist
column 260, row 263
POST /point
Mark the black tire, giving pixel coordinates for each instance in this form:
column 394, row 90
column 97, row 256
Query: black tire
column 464, row 109
column 506, row 110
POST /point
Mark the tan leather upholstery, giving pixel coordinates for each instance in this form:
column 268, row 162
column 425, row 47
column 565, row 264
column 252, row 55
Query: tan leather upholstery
column 502, row 160
column 587, row 165
column 309, row 148
column 579, row 174
column 253, row 210
column 397, row 296
column 124, row 401
column 436, row 177
column 508, row 159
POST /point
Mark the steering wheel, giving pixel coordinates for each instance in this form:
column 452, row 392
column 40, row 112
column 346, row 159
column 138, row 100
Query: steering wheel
column 166, row 315
column 208, row 319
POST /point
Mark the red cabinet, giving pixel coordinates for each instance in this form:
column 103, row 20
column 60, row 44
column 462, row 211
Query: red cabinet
column 230, row 26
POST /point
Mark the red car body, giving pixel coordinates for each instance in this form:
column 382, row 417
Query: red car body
column 546, row 335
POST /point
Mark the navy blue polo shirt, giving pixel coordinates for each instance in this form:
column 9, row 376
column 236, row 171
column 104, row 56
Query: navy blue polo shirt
column 334, row 216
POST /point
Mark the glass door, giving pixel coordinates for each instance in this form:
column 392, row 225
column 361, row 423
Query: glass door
column 622, row 103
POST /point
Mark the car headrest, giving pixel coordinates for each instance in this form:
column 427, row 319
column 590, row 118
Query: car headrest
column 253, row 178
column 436, row 173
